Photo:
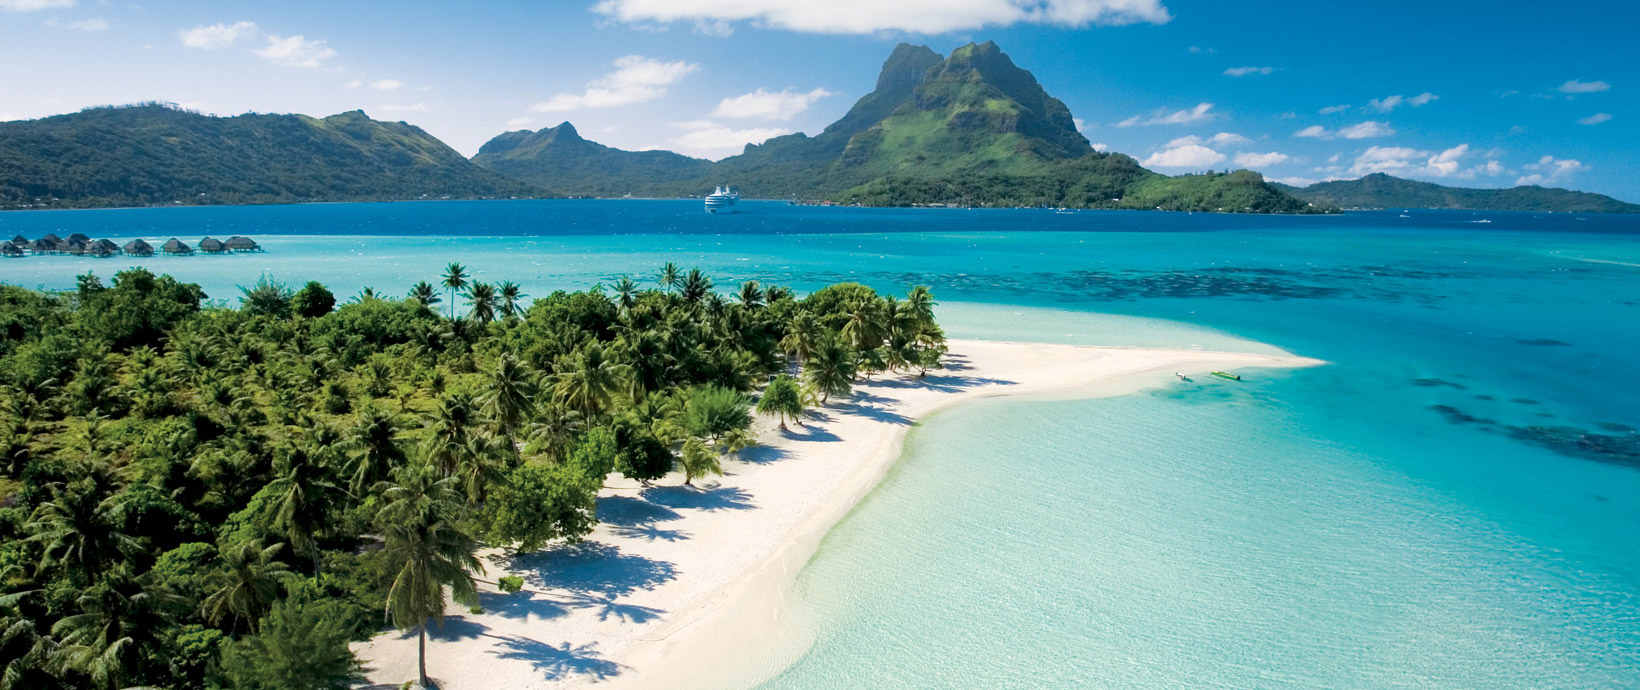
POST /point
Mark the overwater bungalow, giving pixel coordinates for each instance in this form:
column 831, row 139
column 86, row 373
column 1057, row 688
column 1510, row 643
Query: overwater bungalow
column 43, row 246
column 242, row 244
column 105, row 247
column 74, row 247
column 176, row 246
column 20, row 242
column 10, row 251
column 98, row 250
column 80, row 237
column 139, row 248
column 212, row 245
column 51, row 237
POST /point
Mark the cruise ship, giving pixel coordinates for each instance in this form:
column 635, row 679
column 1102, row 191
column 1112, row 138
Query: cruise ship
column 723, row 200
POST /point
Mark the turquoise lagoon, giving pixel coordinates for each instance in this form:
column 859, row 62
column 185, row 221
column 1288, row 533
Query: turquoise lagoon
column 1453, row 502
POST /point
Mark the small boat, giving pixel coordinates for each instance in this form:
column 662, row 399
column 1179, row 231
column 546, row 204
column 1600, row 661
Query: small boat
column 1182, row 377
column 1227, row 375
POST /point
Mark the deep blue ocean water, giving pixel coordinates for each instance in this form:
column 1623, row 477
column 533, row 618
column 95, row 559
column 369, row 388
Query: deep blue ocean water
column 1453, row 502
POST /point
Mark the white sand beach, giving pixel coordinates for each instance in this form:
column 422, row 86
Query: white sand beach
column 685, row 587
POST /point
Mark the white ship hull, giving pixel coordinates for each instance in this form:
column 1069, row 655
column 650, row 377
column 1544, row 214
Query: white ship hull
column 722, row 200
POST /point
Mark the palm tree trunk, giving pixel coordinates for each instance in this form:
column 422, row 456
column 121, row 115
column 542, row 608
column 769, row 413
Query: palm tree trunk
column 318, row 576
column 421, row 652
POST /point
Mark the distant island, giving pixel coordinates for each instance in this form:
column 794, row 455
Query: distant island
column 971, row 129
column 1383, row 191
column 156, row 154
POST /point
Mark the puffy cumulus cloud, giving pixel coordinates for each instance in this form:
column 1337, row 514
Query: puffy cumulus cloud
column 1551, row 170
column 711, row 140
column 1422, row 99
column 873, row 16
column 768, row 105
column 1385, row 159
column 1409, row 162
column 1595, row 119
column 1334, row 109
column 1366, row 130
column 1244, row 71
column 1580, row 86
column 217, row 36
column 1303, row 181
column 636, row 79
column 1202, row 111
column 1445, row 163
column 1101, row 147
column 1247, row 159
column 1313, row 132
column 34, row 5
column 1215, row 140
column 1186, row 156
column 296, row 51
column 1491, row 168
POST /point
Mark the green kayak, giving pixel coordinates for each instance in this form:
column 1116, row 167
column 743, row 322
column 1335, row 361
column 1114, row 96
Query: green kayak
column 1225, row 375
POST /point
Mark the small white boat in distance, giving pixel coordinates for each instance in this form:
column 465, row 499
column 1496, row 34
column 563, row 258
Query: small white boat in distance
column 723, row 200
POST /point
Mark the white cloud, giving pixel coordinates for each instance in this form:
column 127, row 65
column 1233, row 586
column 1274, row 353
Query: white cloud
column 1445, row 163
column 34, row 5
column 1313, row 132
column 1579, row 86
column 1385, row 104
column 1244, row 71
column 356, row 83
column 520, row 121
column 1333, row 109
column 769, row 105
column 416, row 108
column 93, row 24
column 636, row 79
column 1200, row 50
column 1422, row 99
column 1161, row 116
column 1490, row 168
column 387, row 85
column 1366, row 130
column 1386, row 159
column 1081, row 124
column 719, row 29
column 1220, row 138
column 1551, row 170
column 1296, row 181
column 296, row 51
column 874, row 16
column 1259, row 160
column 712, row 140
column 1187, row 156
column 1226, row 138
column 1101, row 147
column 1595, row 119
column 217, row 36
column 1408, row 162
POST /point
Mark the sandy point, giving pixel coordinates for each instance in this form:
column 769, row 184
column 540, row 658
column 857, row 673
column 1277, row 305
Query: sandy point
column 686, row 587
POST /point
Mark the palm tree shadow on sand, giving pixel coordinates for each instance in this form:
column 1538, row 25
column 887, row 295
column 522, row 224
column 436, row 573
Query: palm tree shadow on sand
column 556, row 661
column 591, row 567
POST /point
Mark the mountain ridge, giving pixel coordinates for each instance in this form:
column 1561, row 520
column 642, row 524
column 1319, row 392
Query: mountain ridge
column 1380, row 190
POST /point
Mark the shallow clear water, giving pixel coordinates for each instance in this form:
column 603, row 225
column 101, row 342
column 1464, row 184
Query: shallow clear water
column 1454, row 502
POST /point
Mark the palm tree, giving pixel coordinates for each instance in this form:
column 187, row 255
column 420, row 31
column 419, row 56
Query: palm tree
column 830, row 370
column 802, row 336
column 374, row 445
column 481, row 297
column 781, row 398
column 510, row 295
column 425, row 293
column 626, row 294
column 451, row 424
column 426, row 552
column 554, row 430
column 696, row 285
column 751, row 295
column 508, row 395
column 304, row 495
column 455, row 278
column 863, row 327
column 249, row 585
column 79, row 530
column 698, row 461
column 120, row 623
column 670, row 276
column 586, row 380
column 920, row 304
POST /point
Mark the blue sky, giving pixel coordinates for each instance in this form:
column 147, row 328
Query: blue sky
column 1483, row 94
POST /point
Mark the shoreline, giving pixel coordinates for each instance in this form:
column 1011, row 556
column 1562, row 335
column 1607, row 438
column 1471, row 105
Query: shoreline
column 690, row 588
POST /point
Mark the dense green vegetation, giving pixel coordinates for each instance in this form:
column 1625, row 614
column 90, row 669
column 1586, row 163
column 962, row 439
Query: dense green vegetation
column 208, row 497
column 1383, row 191
column 155, row 154
column 971, row 129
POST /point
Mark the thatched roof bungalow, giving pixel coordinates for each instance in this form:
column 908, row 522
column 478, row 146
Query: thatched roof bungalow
column 176, row 246
column 242, row 244
column 106, row 246
column 212, row 245
column 52, row 238
column 139, row 248
column 43, row 246
column 20, row 241
column 74, row 247
column 10, row 250
column 98, row 250
column 80, row 237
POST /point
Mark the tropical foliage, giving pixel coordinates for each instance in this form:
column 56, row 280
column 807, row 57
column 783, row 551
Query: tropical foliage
column 202, row 496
